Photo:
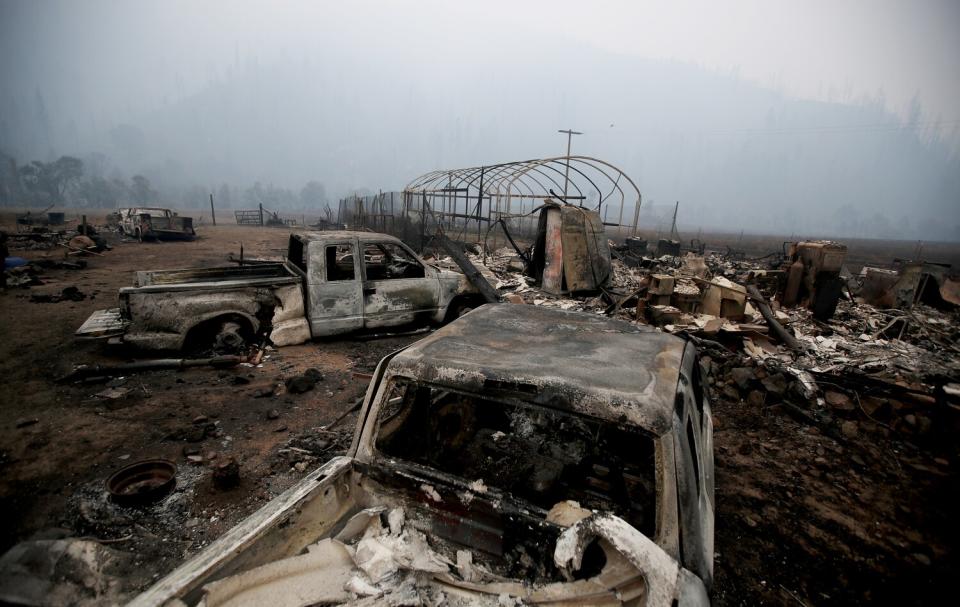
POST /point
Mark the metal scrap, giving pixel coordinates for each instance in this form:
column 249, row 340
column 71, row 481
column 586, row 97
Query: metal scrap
column 892, row 327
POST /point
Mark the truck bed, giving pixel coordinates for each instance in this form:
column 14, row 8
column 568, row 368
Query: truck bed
column 172, row 227
column 224, row 276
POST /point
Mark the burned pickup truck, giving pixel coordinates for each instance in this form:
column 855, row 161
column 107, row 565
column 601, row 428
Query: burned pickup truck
column 517, row 456
column 153, row 223
column 330, row 283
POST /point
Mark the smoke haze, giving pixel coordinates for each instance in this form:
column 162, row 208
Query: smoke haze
column 719, row 111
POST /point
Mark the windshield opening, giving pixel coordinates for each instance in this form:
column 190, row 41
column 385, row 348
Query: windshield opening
column 539, row 455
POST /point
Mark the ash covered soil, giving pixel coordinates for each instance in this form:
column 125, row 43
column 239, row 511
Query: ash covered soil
column 803, row 516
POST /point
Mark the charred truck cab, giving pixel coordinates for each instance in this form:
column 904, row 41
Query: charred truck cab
column 554, row 457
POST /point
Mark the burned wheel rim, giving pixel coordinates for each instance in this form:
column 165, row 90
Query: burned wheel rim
column 142, row 482
column 229, row 338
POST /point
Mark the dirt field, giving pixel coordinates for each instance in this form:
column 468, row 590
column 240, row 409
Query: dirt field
column 802, row 518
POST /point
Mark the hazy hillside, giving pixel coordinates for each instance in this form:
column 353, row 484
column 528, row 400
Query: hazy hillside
column 736, row 155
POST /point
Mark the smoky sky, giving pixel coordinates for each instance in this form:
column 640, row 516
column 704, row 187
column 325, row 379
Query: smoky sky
column 837, row 118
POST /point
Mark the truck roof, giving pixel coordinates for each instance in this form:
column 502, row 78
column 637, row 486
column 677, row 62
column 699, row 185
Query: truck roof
column 588, row 364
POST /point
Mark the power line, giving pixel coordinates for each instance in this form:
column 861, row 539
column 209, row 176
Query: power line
column 850, row 128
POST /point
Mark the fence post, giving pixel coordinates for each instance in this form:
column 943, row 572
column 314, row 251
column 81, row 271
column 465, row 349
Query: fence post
column 480, row 205
column 423, row 222
column 213, row 213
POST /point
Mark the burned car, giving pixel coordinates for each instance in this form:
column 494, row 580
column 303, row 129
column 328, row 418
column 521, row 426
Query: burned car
column 519, row 454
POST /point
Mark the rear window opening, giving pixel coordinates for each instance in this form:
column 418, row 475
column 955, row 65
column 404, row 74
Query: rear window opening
column 539, row 455
column 296, row 252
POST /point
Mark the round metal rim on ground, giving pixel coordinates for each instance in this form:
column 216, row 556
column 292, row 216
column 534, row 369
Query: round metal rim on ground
column 142, row 482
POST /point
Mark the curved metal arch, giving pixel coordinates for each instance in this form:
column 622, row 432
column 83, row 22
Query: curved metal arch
column 555, row 160
column 418, row 183
column 619, row 172
column 589, row 162
column 601, row 198
column 538, row 166
column 507, row 180
column 429, row 183
column 546, row 162
column 469, row 177
column 437, row 179
column 493, row 179
column 494, row 187
column 523, row 173
column 496, row 173
column 533, row 194
column 492, row 172
column 599, row 190
column 534, row 179
column 435, row 183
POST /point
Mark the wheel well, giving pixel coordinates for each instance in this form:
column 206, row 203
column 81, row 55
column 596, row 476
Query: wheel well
column 202, row 334
column 460, row 301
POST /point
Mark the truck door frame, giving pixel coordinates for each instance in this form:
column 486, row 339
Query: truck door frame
column 334, row 306
column 391, row 302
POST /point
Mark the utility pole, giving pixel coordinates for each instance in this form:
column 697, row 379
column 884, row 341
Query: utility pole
column 566, row 175
column 673, row 226
column 213, row 213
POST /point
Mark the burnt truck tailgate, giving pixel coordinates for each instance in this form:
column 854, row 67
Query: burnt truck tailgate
column 102, row 324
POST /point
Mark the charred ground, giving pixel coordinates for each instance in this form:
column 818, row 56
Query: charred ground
column 804, row 515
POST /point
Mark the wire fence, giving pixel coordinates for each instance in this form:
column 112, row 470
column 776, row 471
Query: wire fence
column 414, row 219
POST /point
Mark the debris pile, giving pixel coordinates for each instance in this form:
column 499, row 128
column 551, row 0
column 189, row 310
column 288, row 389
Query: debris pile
column 305, row 452
column 36, row 240
column 380, row 556
column 793, row 329
column 367, row 563
column 29, row 273
column 24, row 273
column 66, row 294
column 85, row 239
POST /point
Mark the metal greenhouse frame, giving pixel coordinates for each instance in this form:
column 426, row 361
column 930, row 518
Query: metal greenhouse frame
column 462, row 200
